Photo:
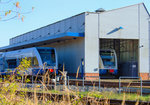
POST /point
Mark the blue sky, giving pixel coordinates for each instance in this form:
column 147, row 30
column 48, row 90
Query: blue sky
column 49, row 11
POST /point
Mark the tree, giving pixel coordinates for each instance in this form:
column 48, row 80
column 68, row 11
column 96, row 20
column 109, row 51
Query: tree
column 11, row 9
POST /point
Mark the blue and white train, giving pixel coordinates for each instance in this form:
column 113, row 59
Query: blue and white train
column 40, row 57
column 108, row 62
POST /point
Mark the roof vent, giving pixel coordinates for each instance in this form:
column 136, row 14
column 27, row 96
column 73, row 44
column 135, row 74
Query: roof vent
column 100, row 10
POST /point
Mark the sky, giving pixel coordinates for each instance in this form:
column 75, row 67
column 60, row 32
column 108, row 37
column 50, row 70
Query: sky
column 49, row 11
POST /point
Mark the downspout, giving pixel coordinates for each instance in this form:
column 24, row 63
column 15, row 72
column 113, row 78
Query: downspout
column 139, row 30
column 98, row 42
column 149, row 43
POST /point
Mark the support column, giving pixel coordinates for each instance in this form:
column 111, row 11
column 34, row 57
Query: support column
column 91, row 44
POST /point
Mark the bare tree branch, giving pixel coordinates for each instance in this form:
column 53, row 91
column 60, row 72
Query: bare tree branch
column 8, row 14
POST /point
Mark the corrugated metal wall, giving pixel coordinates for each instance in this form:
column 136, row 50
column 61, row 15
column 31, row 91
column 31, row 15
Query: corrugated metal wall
column 70, row 53
column 73, row 24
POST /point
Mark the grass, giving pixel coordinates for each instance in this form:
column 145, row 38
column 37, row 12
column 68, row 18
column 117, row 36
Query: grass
column 97, row 94
column 9, row 95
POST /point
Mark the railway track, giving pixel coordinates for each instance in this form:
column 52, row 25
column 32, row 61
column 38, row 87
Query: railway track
column 103, row 84
column 108, row 84
column 125, row 86
column 87, row 100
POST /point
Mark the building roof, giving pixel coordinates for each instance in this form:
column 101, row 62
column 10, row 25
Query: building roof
column 42, row 41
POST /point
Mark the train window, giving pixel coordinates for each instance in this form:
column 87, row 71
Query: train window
column 108, row 58
column 53, row 56
column 47, row 56
column 12, row 63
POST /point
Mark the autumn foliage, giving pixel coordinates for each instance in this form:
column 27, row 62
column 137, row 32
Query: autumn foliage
column 17, row 4
column 16, row 12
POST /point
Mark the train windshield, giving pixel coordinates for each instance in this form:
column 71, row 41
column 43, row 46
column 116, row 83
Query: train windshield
column 108, row 58
column 48, row 56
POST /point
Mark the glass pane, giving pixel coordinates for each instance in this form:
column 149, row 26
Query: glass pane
column 48, row 56
column 108, row 58
column 12, row 63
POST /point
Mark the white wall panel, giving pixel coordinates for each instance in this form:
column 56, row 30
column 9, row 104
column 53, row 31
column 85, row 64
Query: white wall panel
column 144, row 40
column 91, row 43
column 125, row 17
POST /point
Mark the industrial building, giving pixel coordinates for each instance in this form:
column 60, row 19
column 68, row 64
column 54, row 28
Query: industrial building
column 79, row 38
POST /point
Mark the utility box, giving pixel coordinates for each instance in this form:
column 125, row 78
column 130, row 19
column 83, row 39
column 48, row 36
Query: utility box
column 129, row 69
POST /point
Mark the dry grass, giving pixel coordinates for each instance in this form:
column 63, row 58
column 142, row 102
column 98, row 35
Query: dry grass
column 9, row 94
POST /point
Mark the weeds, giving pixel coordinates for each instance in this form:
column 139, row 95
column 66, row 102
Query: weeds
column 12, row 92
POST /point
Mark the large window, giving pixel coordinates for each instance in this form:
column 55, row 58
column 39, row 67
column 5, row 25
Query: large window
column 108, row 58
column 48, row 56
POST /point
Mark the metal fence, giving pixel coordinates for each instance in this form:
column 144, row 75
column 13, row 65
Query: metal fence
column 65, row 80
column 84, row 83
column 123, row 77
column 91, row 77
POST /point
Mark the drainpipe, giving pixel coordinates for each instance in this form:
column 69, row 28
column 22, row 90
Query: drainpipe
column 98, row 41
column 149, row 43
column 139, row 40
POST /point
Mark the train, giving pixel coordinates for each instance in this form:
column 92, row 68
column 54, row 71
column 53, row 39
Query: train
column 108, row 65
column 47, row 57
column 42, row 59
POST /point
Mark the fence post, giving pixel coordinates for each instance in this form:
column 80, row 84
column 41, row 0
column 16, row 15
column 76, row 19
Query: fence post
column 65, row 78
column 141, row 89
column 99, row 83
column 141, row 85
column 55, row 83
column 68, row 82
column 119, row 85
column 83, row 83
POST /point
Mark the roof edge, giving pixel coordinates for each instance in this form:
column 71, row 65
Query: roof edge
column 122, row 8
column 146, row 9
column 47, row 25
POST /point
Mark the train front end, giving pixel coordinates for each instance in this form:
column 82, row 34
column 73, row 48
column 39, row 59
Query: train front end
column 47, row 61
column 108, row 63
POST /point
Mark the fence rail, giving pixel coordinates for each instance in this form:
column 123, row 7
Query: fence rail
column 86, row 82
column 123, row 77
